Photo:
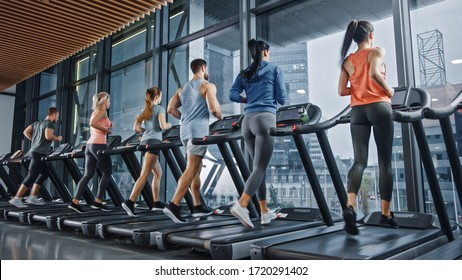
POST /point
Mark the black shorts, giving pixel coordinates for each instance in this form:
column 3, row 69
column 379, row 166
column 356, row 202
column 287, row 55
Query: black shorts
column 151, row 142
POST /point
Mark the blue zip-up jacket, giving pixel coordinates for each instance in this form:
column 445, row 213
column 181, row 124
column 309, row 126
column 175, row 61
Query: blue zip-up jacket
column 263, row 91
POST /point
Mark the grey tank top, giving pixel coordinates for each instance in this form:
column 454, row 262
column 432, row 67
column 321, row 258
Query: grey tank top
column 194, row 111
column 39, row 143
column 152, row 128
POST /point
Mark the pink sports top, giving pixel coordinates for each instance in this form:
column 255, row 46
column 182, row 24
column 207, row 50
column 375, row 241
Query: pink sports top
column 98, row 136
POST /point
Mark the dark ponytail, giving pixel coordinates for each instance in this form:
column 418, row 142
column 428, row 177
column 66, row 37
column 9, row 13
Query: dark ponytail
column 256, row 49
column 357, row 31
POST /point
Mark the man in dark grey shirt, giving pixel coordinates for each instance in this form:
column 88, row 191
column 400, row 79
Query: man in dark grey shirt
column 41, row 133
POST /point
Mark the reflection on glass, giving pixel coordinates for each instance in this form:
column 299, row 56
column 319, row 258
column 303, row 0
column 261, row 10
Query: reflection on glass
column 435, row 30
column 221, row 52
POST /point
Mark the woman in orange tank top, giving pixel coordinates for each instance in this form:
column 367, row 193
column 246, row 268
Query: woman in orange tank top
column 100, row 127
column 362, row 77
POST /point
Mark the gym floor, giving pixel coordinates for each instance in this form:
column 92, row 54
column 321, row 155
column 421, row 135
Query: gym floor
column 26, row 242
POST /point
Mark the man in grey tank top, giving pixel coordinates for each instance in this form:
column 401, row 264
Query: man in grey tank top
column 197, row 99
column 41, row 134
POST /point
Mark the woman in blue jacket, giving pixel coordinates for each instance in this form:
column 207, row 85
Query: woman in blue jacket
column 264, row 87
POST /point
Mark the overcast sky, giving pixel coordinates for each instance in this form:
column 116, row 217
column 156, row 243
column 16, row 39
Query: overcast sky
column 323, row 62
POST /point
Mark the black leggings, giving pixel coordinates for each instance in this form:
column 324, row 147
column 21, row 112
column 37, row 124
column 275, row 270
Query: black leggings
column 92, row 161
column 37, row 172
column 379, row 117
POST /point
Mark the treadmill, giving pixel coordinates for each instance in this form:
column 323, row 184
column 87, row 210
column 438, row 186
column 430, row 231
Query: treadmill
column 87, row 222
column 417, row 232
column 233, row 241
column 12, row 212
column 17, row 162
column 51, row 216
column 127, row 151
column 144, row 234
column 443, row 116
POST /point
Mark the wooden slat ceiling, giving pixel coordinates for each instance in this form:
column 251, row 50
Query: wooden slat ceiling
column 37, row 34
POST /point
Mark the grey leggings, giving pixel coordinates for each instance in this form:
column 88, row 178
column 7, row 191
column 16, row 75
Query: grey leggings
column 379, row 117
column 255, row 129
column 92, row 161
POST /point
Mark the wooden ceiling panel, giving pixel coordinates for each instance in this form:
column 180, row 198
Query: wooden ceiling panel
column 37, row 34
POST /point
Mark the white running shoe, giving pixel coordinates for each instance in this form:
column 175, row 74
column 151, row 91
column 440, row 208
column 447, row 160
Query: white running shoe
column 267, row 217
column 33, row 199
column 242, row 214
column 17, row 202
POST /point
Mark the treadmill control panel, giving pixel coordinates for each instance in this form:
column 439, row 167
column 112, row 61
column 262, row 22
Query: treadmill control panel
column 171, row 134
column 226, row 125
column 292, row 114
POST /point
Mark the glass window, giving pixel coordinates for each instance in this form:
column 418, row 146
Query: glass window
column 308, row 53
column 437, row 68
column 82, row 102
column 43, row 106
column 128, row 43
column 189, row 16
column 84, row 65
column 80, row 128
column 221, row 51
column 128, row 87
column 48, row 80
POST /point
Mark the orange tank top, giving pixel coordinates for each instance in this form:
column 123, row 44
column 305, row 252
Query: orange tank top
column 98, row 136
column 364, row 90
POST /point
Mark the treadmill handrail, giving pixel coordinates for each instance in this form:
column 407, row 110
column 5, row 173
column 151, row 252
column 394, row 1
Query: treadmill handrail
column 443, row 112
column 117, row 150
column 412, row 116
column 219, row 138
column 342, row 117
column 160, row 146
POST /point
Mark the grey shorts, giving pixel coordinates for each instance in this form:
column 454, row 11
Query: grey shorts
column 198, row 150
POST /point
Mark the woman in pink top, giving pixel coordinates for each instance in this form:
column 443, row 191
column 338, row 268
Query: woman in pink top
column 370, row 109
column 100, row 127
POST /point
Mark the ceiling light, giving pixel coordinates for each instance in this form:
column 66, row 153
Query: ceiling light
column 435, row 99
column 301, row 91
column 457, row 61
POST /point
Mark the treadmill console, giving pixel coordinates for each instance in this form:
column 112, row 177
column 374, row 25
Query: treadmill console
column 171, row 134
column 293, row 114
column 62, row 148
column 400, row 100
column 133, row 140
column 226, row 125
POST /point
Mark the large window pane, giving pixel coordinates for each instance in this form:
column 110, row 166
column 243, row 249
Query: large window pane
column 129, row 43
column 436, row 49
column 128, row 87
column 48, row 80
column 80, row 129
column 189, row 16
column 221, row 51
column 43, row 106
column 82, row 97
column 84, row 65
column 309, row 54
